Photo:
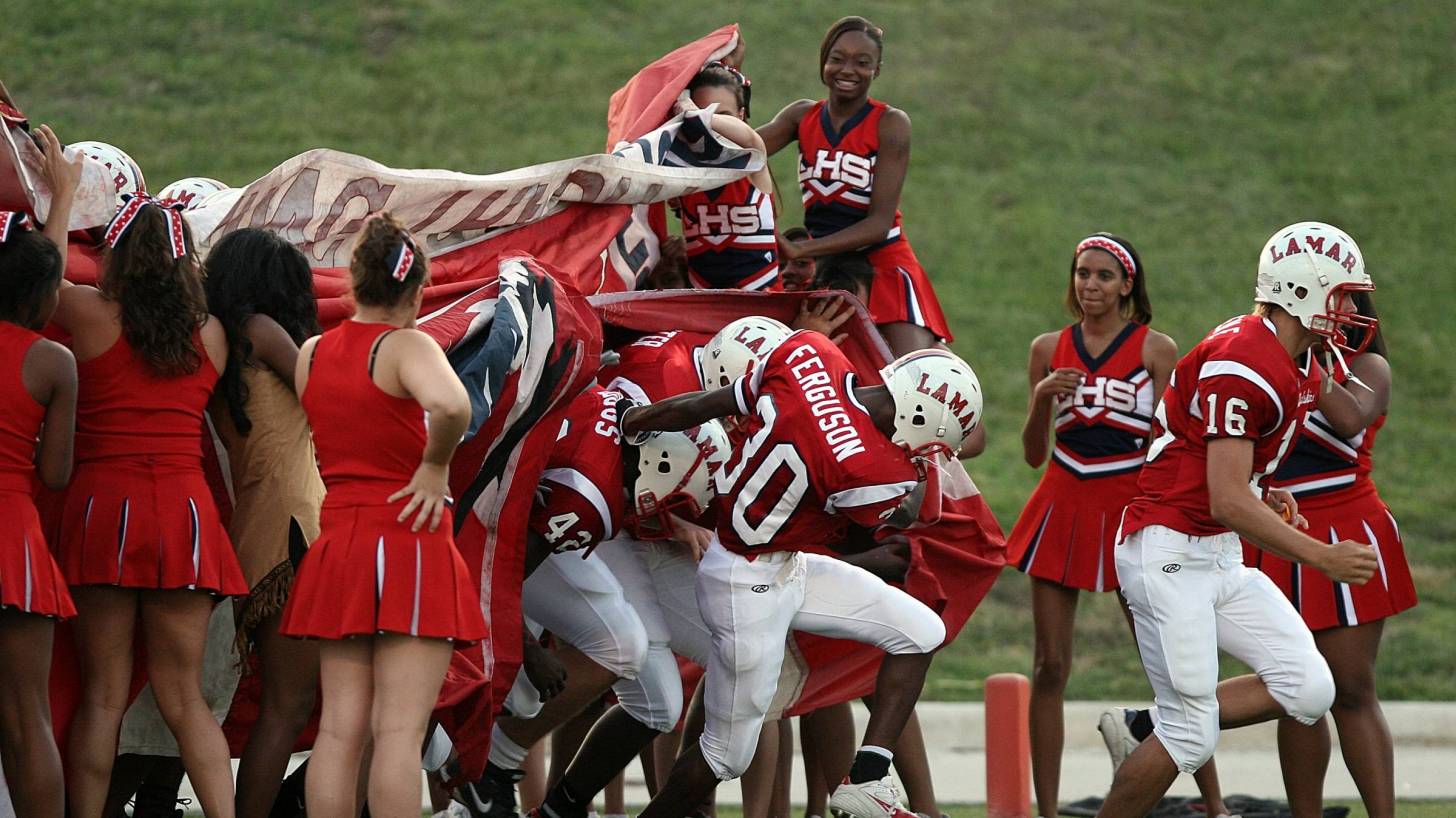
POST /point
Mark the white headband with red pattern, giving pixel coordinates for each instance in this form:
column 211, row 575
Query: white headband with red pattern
column 1118, row 251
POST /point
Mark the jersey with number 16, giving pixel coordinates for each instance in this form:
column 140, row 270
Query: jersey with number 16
column 1238, row 382
column 813, row 453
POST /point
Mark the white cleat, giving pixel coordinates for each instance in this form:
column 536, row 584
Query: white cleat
column 869, row 799
column 1116, row 734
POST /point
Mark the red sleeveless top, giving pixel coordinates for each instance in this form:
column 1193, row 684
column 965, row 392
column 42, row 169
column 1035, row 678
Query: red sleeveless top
column 368, row 441
column 837, row 169
column 125, row 409
column 20, row 414
column 1102, row 428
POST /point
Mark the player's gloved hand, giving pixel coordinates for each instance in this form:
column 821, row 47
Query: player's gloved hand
column 1284, row 504
column 626, row 405
column 694, row 537
column 889, row 561
column 543, row 669
column 1350, row 562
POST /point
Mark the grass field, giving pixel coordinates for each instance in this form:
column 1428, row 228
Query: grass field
column 1195, row 130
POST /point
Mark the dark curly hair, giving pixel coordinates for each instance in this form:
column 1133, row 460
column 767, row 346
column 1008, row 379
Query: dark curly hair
column 372, row 265
column 256, row 272
column 161, row 298
column 30, row 267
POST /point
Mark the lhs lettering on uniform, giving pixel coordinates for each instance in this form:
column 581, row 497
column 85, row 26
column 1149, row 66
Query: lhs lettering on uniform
column 723, row 219
column 959, row 407
column 841, row 166
column 1316, row 244
column 824, row 402
column 1102, row 393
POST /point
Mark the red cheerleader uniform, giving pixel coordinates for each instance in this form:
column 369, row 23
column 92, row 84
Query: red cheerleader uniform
column 730, row 238
column 1330, row 476
column 368, row 573
column 30, row 580
column 1067, row 530
column 139, row 512
column 836, row 177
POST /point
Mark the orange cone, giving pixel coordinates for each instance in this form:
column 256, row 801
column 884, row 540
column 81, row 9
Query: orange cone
column 1008, row 746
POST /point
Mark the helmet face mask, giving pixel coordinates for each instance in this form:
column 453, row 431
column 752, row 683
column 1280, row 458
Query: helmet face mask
column 673, row 475
column 1308, row 270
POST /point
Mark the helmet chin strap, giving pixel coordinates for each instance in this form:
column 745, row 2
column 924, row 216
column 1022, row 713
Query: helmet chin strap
column 1334, row 357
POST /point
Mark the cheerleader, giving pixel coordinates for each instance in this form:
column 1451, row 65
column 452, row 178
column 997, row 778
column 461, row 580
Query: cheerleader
column 1093, row 386
column 383, row 586
column 1329, row 472
column 729, row 231
column 853, row 155
column 261, row 290
column 37, row 401
column 141, row 541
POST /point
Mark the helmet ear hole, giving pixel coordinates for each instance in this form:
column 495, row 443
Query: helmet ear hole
column 1300, row 292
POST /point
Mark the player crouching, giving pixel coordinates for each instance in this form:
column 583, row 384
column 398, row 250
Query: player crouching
column 819, row 448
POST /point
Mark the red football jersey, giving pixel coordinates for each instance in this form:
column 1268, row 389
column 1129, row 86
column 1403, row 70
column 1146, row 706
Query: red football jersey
column 730, row 237
column 837, row 169
column 1323, row 462
column 814, row 453
column 1102, row 428
column 1238, row 382
column 657, row 367
column 581, row 500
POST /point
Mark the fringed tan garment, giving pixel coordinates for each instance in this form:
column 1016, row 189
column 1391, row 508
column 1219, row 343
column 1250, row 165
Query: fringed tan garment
column 276, row 484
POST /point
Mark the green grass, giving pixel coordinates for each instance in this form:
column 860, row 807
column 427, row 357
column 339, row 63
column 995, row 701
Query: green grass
column 1195, row 130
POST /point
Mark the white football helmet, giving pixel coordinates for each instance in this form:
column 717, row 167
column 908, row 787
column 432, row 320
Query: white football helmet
column 675, row 474
column 739, row 347
column 125, row 173
column 1306, row 269
column 191, row 191
column 937, row 401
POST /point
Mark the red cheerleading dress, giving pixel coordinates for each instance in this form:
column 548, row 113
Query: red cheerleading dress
column 1330, row 477
column 730, row 237
column 1068, row 528
column 367, row 573
column 30, row 580
column 139, row 512
column 836, row 179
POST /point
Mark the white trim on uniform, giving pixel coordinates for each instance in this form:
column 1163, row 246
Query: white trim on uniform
column 867, row 495
column 578, row 482
column 629, row 388
column 1338, row 443
column 1067, row 460
column 1307, row 486
column 1212, row 369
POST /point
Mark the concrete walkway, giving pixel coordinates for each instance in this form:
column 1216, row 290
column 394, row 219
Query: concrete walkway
column 1425, row 756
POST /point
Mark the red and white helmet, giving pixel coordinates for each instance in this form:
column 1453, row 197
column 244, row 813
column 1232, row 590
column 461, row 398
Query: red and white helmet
column 191, row 191
column 125, row 173
column 739, row 347
column 675, row 474
column 937, row 401
column 1307, row 269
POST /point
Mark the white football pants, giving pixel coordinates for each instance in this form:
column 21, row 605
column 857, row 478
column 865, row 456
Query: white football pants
column 1191, row 597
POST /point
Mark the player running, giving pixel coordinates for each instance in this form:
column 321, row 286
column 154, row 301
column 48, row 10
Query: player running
column 819, row 448
column 1229, row 416
column 853, row 155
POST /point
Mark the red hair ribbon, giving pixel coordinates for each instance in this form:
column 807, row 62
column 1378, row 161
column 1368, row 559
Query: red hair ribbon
column 12, row 223
column 132, row 204
column 404, row 260
column 1122, row 254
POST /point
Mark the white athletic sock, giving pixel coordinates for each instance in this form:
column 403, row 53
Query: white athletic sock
column 870, row 748
column 504, row 752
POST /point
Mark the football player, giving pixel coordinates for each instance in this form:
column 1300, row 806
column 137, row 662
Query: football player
column 1232, row 411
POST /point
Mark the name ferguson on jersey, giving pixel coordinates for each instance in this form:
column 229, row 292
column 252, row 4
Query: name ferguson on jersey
column 824, row 402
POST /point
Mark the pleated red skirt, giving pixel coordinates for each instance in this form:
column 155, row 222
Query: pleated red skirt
column 146, row 523
column 30, row 580
column 369, row 574
column 1358, row 515
column 1068, row 529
